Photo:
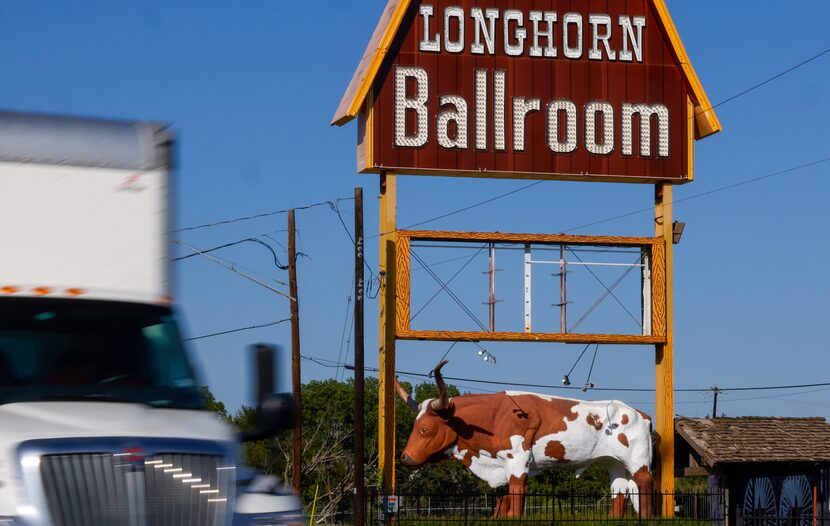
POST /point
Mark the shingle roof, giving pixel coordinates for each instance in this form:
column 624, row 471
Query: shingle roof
column 757, row 439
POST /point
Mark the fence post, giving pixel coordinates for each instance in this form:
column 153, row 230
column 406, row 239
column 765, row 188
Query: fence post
column 465, row 510
column 553, row 508
column 573, row 513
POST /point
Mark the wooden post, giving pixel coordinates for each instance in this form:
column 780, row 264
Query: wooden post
column 563, row 290
column 295, row 357
column 359, row 424
column 664, row 358
column 386, row 333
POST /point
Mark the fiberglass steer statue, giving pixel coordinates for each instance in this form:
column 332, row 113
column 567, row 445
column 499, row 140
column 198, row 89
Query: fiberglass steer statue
column 505, row 437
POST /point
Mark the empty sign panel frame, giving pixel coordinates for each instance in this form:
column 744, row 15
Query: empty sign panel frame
column 654, row 287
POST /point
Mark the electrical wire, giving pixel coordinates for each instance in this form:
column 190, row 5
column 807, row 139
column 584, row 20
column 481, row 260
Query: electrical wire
column 345, row 322
column 249, row 328
column 464, row 209
column 618, row 389
column 249, row 270
column 233, row 268
column 767, row 81
column 257, row 216
column 703, row 194
column 475, row 205
column 372, row 275
column 239, row 242
column 768, row 397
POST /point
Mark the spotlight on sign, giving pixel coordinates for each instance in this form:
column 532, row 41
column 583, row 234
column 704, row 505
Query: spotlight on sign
column 566, row 380
column 677, row 231
column 589, row 385
column 487, row 356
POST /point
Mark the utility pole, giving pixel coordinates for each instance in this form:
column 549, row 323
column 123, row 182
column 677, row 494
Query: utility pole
column 359, row 453
column 295, row 355
column 491, row 305
column 716, row 391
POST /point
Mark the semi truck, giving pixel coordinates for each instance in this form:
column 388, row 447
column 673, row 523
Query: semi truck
column 102, row 415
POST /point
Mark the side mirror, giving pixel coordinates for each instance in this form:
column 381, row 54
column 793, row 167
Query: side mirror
column 274, row 410
column 264, row 364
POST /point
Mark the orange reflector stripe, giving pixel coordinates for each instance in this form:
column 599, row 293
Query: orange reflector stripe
column 9, row 290
column 75, row 292
column 42, row 290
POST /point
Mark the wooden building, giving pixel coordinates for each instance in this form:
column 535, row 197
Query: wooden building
column 766, row 467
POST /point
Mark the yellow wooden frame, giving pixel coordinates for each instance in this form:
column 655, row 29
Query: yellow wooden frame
column 655, row 247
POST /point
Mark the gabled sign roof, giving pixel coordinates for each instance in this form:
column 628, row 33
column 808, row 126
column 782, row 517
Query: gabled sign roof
column 706, row 122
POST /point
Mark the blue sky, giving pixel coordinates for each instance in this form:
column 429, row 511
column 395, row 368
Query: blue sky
column 250, row 89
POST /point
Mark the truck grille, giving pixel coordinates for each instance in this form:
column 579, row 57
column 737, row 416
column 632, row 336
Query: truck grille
column 103, row 489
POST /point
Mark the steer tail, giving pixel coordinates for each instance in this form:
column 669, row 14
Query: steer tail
column 634, row 495
column 654, row 443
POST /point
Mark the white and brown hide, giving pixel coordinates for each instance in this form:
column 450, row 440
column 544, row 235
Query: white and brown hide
column 505, row 437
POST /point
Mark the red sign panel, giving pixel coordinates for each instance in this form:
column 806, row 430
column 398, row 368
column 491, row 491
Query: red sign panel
column 538, row 89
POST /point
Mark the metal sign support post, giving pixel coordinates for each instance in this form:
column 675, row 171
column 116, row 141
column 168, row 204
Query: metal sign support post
column 664, row 358
column 386, row 334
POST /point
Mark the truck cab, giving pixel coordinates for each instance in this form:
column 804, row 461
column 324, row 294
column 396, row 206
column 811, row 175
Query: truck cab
column 102, row 417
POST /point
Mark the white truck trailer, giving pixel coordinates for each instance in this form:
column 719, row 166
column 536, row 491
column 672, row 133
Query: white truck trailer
column 102, row 420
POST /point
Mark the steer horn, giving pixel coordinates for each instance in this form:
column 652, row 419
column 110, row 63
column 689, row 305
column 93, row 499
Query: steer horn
column 443, row 401
column 408, row 400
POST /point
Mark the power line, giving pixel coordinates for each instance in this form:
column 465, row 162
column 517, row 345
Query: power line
column 372, row 277
column 259, row 216
column 239, row 242
column 233, row 268
column 619, row 216
column 475, row 205
column 249, row 270
column 464, row 209
column 768, row 397
column 546, row 386
column 345, row 323
column 320, row 361
column 767, row 81
column 251, row 327
column 773, row 387
column 705, row 193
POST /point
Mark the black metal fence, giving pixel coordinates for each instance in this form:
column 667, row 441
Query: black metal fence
column 558, row 508
column 579, row 509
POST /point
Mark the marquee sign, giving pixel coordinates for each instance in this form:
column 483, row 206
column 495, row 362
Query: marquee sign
column 528, row 89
